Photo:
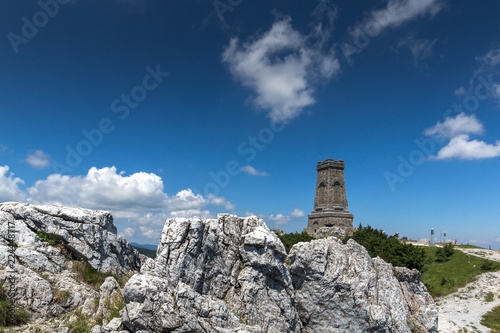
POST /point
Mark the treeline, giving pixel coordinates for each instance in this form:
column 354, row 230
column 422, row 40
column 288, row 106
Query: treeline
column 389, row 248
column 293, row 238
column 376, row 243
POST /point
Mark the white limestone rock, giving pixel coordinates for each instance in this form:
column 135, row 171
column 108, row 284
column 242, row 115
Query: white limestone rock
column 214, row 275
column 339, row 288
column 87, row 234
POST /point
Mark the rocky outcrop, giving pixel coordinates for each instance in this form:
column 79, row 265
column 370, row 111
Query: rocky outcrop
column 215, row 275
column 87, row 234
column 339, row 288
column 229, row 274
column 46, row 242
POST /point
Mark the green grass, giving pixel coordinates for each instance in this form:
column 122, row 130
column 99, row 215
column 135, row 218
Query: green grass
column 51, row 239
column 470, row 247
column 490, row 297
column 492, row 320
column 446, row 277
column 89, row 274
column 146, row 252
column 82, row 324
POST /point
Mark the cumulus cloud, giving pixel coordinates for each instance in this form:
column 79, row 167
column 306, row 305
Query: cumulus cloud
column 220, row 201
column 150, row 232
column 38, row 159
column 297, row 213
column 420, row 49
column 9, row 186
column 453, row 126
column 280, row 219
column 106, row 189
column 498, row 239
column 282, row 65
column 128, row 232
column 461, row 146
column 252, row 171
column 396, row 13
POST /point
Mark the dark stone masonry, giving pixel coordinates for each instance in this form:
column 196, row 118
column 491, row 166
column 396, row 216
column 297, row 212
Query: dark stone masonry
column 330, row 203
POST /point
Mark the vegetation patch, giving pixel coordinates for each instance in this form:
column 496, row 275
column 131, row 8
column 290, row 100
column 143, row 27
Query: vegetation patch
column 82, row 324
column 492, row 320
column 293, row 238
column 21, row 316
column 89, row 274
column 60, row 296
column 51, row 239
column 390, row 249
column 443, row 277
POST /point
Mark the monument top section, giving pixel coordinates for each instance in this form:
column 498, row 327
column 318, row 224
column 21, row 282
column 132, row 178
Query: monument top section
column 329, row 163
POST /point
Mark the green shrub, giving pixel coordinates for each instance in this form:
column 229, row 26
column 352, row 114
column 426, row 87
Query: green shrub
column 489, row 266
column 51, row 239
column 489, row 297
column 293, row 238
column 390, row 249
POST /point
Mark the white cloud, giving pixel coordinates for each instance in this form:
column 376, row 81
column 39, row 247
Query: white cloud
column 498, row 239
column 451, row 127
column 297, row 213
column 279, row 219
column 462, row 147
column 420, row 49
column 490, row 59
column 281, row 67
column 149, row 232
column 38, row 159
column 128, row 232
column 220, row 201
column 106, row 189
column 252, row 171
column 9, row 186
column 397, row 12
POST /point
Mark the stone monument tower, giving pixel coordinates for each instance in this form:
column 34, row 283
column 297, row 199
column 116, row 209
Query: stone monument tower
column 330, row 215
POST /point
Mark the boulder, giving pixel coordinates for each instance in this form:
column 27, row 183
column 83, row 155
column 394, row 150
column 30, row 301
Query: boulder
column 340, row 288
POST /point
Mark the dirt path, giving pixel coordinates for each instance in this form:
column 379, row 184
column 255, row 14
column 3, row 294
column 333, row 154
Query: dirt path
column 464, row 308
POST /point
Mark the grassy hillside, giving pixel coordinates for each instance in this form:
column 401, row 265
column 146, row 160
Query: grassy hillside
column 443, row 276
column 492, row 320
column 146, row 252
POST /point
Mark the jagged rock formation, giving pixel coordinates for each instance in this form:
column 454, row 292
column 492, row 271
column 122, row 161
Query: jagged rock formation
column 88, row 234
column 229, row 274
column 339, row 288
column 215, row 275
column 42, row 272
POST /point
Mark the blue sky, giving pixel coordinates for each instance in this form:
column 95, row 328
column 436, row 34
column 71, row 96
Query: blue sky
column 158, row 109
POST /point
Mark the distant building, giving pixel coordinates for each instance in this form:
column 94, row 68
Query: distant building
column 330, row 215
